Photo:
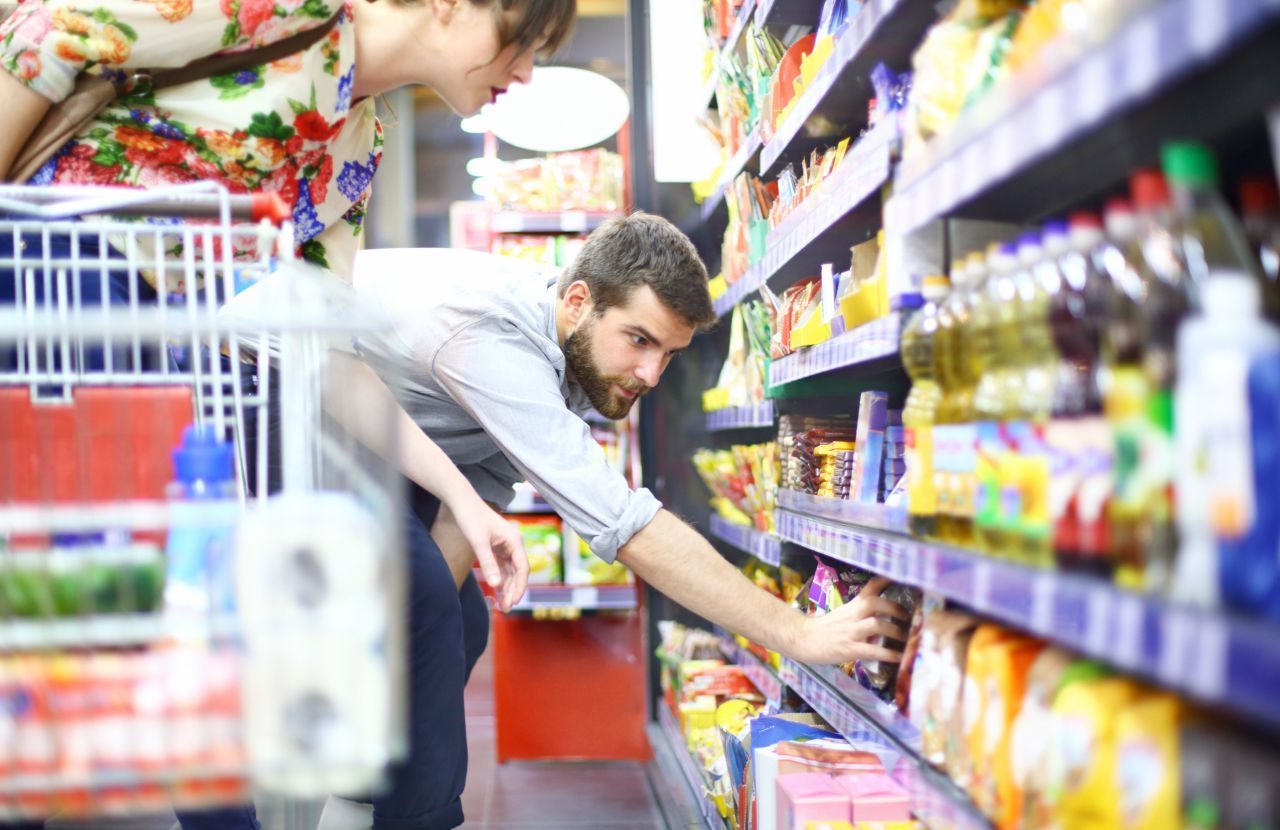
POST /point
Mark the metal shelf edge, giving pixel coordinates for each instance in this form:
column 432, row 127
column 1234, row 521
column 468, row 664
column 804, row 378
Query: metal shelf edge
column 1217, row 657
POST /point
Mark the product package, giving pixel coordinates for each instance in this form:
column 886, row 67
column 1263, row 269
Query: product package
column 543, row 544
column 1084, row 742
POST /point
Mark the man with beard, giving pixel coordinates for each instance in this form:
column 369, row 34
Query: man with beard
column 497, row 362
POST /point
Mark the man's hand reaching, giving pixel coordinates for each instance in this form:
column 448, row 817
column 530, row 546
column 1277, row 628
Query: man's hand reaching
column 846, row 634
column 498, row 549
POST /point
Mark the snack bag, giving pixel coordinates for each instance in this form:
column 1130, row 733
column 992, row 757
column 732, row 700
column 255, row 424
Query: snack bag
column 967, row 758
column 1008, row 666
column 1147, row 774
column 1084, row 741
column 935, row 693
column 1027, row 744
column 542, row 544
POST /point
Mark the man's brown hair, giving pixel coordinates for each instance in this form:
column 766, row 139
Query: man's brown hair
column 641, row 249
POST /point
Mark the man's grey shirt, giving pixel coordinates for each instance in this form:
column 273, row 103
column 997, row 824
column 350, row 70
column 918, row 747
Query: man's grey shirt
column 473, row 355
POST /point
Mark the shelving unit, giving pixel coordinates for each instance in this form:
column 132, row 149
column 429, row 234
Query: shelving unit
column 1054, row 140
column 763, row 546
column 674, row 745
column 746, row 156
column 582, row 597
column 873, row 343
column 884, row 30
column 1216, row 657
column 741, row 417
column 764, row 678
column 802, row 241
column 730, row 44
column 1062, row 135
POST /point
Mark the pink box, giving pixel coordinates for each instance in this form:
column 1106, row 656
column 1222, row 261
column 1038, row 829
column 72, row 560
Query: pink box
column 810, row 796
column 875, row 797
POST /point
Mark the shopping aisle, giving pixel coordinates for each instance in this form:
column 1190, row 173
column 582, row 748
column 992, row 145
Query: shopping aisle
column 612, row 795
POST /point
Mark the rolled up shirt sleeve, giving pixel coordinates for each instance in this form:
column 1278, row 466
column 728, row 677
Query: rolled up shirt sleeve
column 509, row 386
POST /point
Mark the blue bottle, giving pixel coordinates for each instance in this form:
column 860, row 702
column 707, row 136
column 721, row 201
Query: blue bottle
column 199, row 583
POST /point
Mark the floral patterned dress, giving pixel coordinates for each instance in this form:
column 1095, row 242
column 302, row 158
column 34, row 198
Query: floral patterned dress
column 288, row 126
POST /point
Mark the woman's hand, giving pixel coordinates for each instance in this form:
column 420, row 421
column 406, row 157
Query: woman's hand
column 846, row 633
column 497, row 545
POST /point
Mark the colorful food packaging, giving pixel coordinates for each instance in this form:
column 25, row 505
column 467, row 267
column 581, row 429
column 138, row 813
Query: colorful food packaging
column 1008, row 665
column 1084, row 734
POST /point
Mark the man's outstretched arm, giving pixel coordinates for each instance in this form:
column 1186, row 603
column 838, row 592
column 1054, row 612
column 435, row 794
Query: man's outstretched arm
column 673, row 558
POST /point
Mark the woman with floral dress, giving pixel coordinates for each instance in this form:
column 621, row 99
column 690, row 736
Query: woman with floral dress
column 303, row 127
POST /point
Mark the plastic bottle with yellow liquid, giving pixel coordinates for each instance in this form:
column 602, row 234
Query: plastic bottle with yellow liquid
column 1038, row 282
column 995, row 344
column 957, row 377
column 919, row 356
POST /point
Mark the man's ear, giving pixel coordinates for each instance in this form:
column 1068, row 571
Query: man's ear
column 577, row 301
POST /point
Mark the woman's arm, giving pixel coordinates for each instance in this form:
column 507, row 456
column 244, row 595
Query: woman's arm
column 23, row 108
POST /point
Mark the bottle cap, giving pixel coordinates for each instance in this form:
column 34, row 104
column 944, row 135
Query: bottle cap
column 202, row 457
column 1055, row 227
column 1119, row 204
column 1149, row 189
column 910, row 300
column 1259, row 194
column 1231, row 294
column 1085, row 219
column 1190, row 163
column 935, row 286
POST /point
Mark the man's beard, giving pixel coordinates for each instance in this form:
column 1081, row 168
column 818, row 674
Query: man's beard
column 598, row 386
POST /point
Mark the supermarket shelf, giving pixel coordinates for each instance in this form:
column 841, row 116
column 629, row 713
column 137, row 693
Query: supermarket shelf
column 749, row 283
column 874, row 341
column 763, row 546
column 862, row 718
column 788, row 13
column 864, row 515
column 764, row 678
column 1216, row 657
column 573, row 221
column 745, row 157
column 106, row 631
column 741, row 417
column 885, row 30
column 582, row 597
column 25, row 783
column 1064, row 135
column 670, row 733
column 731, row 43
column 801, row 242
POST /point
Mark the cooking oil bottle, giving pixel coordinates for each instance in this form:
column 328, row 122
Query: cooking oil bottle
column 1026, row 490
column 957, row 377
column 995, row 348
column 919, row 356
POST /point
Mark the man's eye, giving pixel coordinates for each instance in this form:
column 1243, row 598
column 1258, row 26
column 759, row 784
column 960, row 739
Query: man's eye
column 637, row 340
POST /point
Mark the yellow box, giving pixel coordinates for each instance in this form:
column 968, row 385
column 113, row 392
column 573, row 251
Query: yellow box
column 715, row 399
column 717, row 286
column 814, row 331
column 813, row 62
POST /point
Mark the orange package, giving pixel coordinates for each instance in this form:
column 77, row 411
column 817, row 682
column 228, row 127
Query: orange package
column 966, row 758
column 1008, row 665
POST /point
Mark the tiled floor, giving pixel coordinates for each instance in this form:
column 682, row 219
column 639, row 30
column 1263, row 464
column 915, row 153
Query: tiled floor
column 546, row 796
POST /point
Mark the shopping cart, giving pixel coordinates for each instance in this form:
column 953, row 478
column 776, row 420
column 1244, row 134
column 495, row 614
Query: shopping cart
column 201, row 571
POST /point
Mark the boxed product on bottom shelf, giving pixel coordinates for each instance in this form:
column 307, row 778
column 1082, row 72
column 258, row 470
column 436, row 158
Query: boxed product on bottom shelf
column 770, row 770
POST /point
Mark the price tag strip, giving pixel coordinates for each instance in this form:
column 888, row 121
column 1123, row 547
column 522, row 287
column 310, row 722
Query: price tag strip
column 1216, row 657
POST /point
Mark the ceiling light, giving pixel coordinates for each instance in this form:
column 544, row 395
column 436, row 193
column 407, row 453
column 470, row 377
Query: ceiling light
column 560, row 109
